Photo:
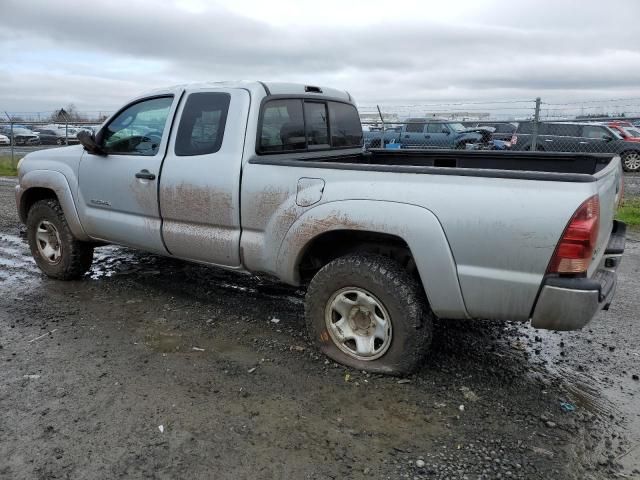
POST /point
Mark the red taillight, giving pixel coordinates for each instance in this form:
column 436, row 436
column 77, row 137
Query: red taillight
column 514, row 139
column 575, row 248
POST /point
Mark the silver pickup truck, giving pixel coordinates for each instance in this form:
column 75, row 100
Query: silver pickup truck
column 271, row 178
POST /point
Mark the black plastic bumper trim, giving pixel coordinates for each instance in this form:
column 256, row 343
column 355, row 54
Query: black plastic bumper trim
column 617, row 240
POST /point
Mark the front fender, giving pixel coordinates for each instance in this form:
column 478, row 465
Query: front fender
column 58, row 183
column 417, row 226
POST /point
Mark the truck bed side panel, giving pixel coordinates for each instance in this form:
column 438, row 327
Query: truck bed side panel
column 501, row 231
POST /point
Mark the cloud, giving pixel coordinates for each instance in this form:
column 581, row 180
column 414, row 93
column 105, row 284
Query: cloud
column 98, row 55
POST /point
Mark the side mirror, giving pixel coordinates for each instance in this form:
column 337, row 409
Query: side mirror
column 446, row 130
column 607, row 138
column 90, row 144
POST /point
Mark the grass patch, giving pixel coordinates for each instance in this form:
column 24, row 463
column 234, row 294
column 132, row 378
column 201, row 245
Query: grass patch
column 629, row 211
column 8, row 168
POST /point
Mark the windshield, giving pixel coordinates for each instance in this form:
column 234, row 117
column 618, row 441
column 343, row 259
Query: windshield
column 457, row 127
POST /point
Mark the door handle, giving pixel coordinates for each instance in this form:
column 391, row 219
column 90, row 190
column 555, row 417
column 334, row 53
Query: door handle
column 427, row 136
column 406, row 136
column 547, row 140
column 146, row 175
column 584, row 143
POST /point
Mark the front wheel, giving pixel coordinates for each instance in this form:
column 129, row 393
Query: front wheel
column 54, row 248
column 369, row 313
column 631, row 161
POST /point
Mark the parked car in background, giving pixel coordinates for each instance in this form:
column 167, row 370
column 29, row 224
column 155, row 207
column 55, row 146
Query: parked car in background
column 501, row 131
column 67, row 133
column 578, row 137
column 4, row 140
column 427, row 133
column 52, row 137
column 626, row 130
column 634, row 132
column 21, row 136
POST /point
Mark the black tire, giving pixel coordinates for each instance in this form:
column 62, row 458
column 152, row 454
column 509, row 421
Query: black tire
column 60, row 141
column 75, row 256
column 631, row 161
column 401, row 296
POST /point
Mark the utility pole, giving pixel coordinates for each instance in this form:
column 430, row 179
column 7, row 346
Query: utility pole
column 534, row 129
column 12, row 141
column 382, row 120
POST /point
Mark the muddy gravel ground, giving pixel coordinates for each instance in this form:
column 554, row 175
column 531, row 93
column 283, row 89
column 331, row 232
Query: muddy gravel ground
column 154, row 368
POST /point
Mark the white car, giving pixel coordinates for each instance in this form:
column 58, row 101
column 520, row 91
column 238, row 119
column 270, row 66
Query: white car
column 4, row 140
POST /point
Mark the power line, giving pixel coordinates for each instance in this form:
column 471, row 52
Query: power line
column 594, row 101
column 422, row 105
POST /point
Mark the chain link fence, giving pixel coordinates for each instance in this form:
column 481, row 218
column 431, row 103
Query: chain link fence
column 608, row 127
column 599, row 126
column 17, row 138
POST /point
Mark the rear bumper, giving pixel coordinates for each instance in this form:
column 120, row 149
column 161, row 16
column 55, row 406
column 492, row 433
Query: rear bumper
column 571, row 303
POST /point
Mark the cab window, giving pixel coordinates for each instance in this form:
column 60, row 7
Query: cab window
column 595, row 132
column 316, row 125
column 345, row 126
column 282, row 126
column 415, row 127
column 289, row 125
column 202, row 123
column 138, row 129
column 436, row 127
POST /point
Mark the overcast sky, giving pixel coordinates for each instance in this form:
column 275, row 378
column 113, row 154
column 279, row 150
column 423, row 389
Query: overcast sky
column 98, row 54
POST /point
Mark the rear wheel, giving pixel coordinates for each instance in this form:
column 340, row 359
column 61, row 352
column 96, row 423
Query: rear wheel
column 54, row 248
column 631, row 161
column 60, row 141
column 367, row 312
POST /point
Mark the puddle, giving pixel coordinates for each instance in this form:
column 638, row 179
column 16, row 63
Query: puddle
column 165, row 342
column 546, row 351
column 16, row 262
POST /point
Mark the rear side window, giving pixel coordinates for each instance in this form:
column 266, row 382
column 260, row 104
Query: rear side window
column 344, row 121
column 301, row 125
column 595, row 132
column 436, row 127
column 202, row 124
column 527, row 128
column 564, row 130
column 415, row 128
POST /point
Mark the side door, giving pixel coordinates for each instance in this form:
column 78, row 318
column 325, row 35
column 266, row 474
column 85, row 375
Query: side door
column 413, row 135
column 118, row 192
column 200, row 181
column 437, row 135
column 563, row 137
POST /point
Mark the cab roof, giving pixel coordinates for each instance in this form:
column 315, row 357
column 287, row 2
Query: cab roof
column 259, row 88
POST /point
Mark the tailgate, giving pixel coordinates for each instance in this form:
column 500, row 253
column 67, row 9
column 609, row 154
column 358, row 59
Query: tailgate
column 609, row 185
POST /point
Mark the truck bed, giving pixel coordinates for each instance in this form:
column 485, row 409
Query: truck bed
column 566, row 167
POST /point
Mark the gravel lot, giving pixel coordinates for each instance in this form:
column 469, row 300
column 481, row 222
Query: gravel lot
column 153, row 368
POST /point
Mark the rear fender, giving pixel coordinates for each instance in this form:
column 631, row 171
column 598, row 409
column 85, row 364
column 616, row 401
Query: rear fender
column 417, row 226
